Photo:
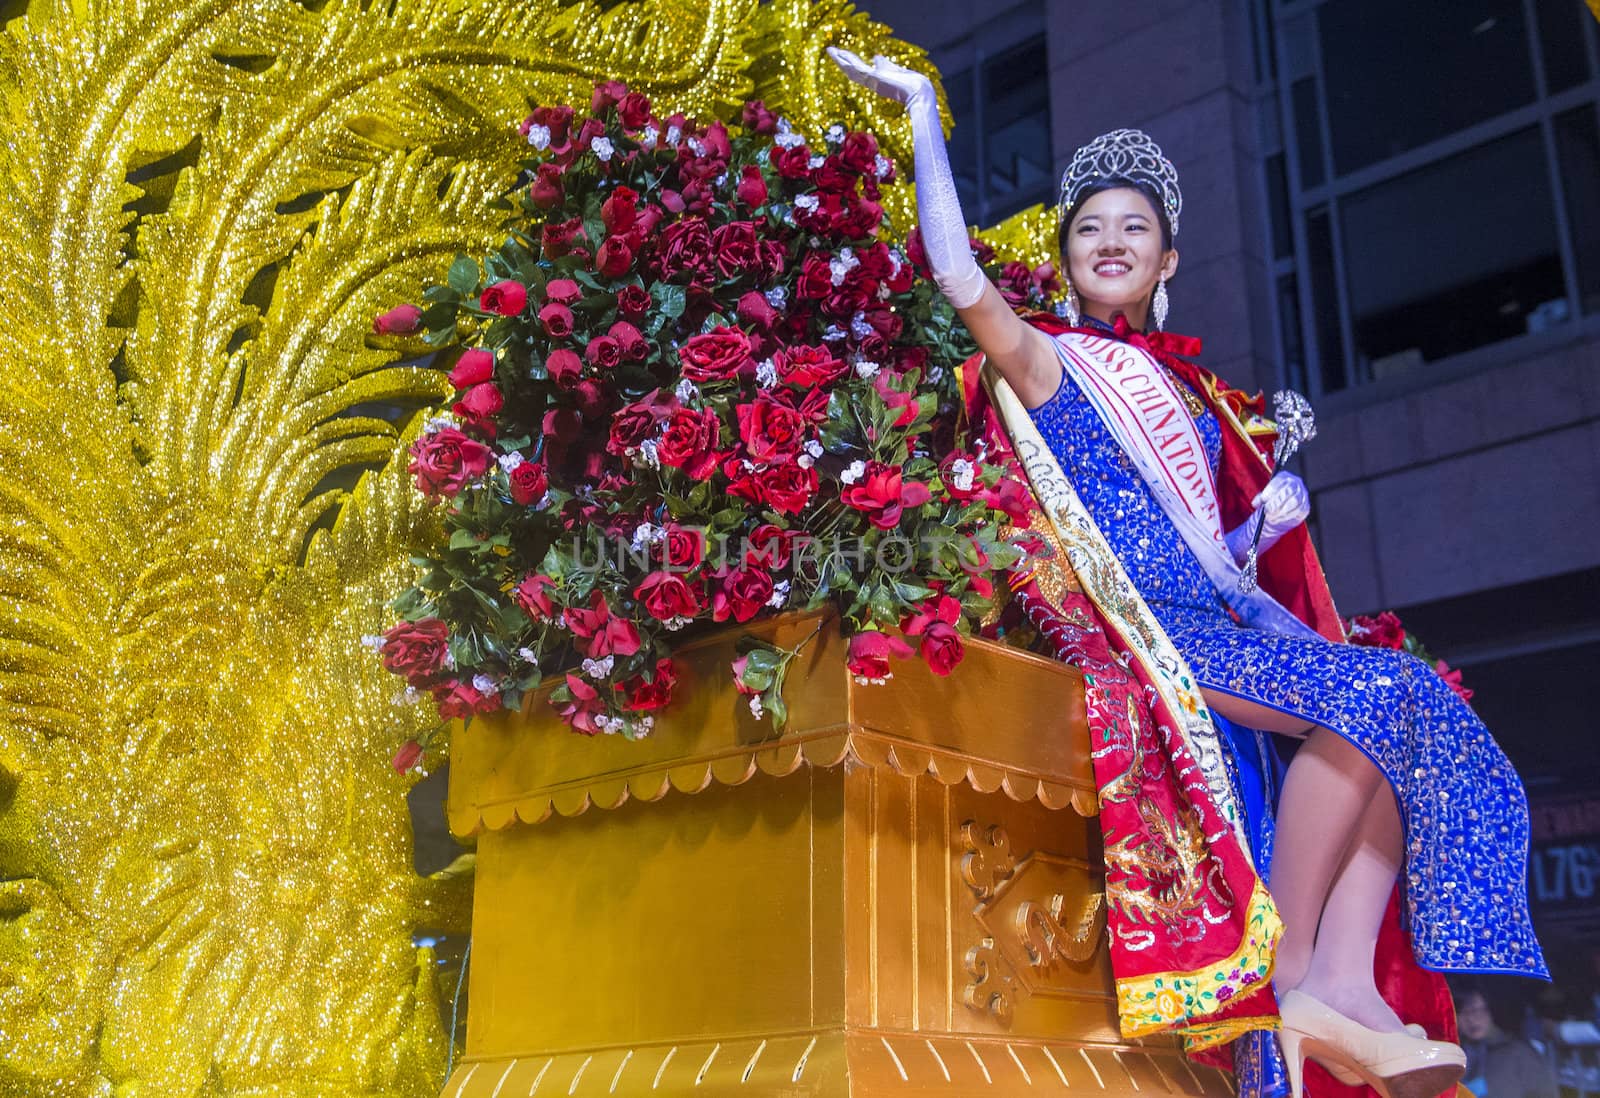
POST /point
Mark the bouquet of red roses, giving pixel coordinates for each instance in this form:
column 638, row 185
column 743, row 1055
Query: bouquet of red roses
column 1386, row 631
column 698, row 384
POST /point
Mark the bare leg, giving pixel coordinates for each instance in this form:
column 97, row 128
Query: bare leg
column 1325, row 795
column 1341, row 974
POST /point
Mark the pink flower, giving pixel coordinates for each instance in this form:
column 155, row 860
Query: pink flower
column 504, row 298
column 409, row 755
column 400, row 320
column 870, row 651
column 459, row 700
column 445, row 461
column 583, row 706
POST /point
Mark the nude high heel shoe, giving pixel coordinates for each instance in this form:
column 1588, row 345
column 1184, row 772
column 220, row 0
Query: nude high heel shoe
column 1350, row 1078
column 1396, row 1065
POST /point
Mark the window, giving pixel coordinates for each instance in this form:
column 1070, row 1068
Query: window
column 1437, row 178
column 1000, row 145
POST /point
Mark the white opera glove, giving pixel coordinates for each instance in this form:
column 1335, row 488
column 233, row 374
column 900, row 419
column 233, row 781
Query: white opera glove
column 1284, row 502
column 944, row 230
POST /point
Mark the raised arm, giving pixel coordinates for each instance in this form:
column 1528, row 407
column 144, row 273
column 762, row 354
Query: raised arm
column 1021, row 353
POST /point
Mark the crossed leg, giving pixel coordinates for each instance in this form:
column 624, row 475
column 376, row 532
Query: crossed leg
column 1337, row 852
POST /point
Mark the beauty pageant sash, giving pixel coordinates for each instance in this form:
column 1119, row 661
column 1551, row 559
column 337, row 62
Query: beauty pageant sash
column 1140, row 407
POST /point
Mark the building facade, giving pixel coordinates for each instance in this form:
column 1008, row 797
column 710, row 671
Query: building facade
column 1395, row 209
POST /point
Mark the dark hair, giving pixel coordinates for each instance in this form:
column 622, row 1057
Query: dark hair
column 1115, row 183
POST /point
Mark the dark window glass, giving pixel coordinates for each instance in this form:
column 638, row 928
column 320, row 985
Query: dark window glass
column 1294, row 348
column 964, row 165
column 1278, row 204
column 1399, row 75
column 1453, row 256
column 1561, row 31
column 1017, row 118
column 1308, row 128
column 1578, row 144
column 1325, row 299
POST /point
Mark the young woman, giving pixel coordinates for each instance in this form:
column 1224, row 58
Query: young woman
column 1127, row 445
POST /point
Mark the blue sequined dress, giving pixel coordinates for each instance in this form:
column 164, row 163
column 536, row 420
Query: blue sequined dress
column 1463, row 806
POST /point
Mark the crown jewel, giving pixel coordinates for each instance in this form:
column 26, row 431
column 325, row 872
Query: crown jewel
column 1122, row 154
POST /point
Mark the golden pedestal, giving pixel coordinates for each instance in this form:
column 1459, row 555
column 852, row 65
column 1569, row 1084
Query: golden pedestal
column 900, row 895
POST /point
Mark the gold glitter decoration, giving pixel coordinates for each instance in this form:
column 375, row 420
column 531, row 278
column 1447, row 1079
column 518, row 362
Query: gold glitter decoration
column 205, row 858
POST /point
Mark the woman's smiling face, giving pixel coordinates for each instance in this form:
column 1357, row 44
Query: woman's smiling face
column 1114, row 254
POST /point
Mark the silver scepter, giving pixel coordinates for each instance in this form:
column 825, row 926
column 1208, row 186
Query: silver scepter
column 1297, row 424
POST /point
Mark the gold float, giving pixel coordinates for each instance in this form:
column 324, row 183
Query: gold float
column 899, row 894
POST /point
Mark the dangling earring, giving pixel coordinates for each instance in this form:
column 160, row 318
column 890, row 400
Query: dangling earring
column 1159, row 305
column 1069, row 308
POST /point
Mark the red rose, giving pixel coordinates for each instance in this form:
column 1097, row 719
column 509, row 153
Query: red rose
column 603, row 352
column 546, row 190
column 605, row 94
column 633, row 301
column 685, row 545
column 808, row 367
column 917, row 253
column 685, row 248
column 644, row 696
column 770, row 430
column 558, row 120
column 735, row 246
column 561, row 426
column 881, row 495
column 459, row 700
column 563, row 291
column 582, row 706
column 754, row 311
column 666, row 595
column 716, row 355
column 941, row 608
column 741, row 595
column 816, row 278
column 787, row 488
column 905, row 402
column 690, row 440
column 620, row 210
column 634, row 111
column 1452, row 678
column 752, row 188
column 472, row 368
column 505, row 298
column 758, row 119
column 400, row 320
column 584, row 621
column 1383, row 631
column 557, row 320
column 529, row 481
column 942, row 648
column 615, row 637
column 824, row 217
column 533, row 595
column 769, row 547
column 633, row 344
column 870, row 651
column 444, row 461
column 409, row 755
column 417, row 650
column 833, row 176
column 859, row 152
column 615, row 257
column 592, row 399
column 563, row 366
column 480, row 402
column 793, row 162
column 1011, row 497
column 557, row 238
column 630, row 426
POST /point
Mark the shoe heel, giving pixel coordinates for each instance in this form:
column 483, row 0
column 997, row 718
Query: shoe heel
column 1293, row 1058
column 1424, row 1083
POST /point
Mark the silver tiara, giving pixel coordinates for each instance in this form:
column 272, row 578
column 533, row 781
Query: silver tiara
column 1122, row 154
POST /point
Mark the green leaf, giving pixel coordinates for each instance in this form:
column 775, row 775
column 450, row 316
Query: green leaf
column 463, row 539
column 671, row 300
column 463, row 277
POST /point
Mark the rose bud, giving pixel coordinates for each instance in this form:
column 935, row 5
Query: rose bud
column 752, row 187
column 400, row 320
column 591, row 398
column 634, row 346
column 480, row 402
column 529, row 482
column 561, row 425
column 564, row 366
column 757, row 118
column 633, row 301
column 607, row 93
column 754, row 310
column 615, row 257
column 505, row 298
column 869, row 654
column 408, row 756
column 473, row 368
column 563, row 291
column 603, row 352
column 557, row 320
column 546, row 190
column 634, row 111
column 620, row 210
